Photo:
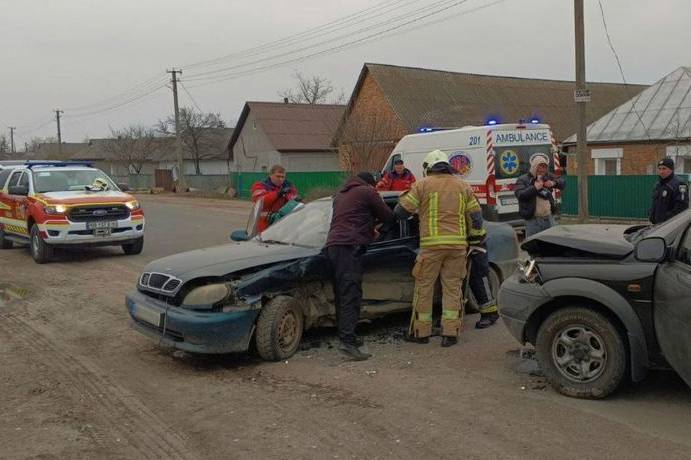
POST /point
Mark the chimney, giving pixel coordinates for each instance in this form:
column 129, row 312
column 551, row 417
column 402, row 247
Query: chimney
column 285, row 100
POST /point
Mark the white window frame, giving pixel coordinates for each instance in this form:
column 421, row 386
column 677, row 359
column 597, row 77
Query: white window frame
column 600, row 155
column 680, row 154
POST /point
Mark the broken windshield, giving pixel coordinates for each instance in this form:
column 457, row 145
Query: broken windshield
column 308, row 226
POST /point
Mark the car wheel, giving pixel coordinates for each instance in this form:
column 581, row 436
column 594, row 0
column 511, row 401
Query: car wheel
column 279, row 329
column 581, row 353
column 4, row 244
column 40, row 250
column 134, row 248
column 472, row 305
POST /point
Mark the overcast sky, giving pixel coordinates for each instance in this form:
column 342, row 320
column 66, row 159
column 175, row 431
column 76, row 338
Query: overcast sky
column 73, row 53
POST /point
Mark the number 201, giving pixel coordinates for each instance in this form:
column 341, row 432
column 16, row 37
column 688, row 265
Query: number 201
column 474, row 140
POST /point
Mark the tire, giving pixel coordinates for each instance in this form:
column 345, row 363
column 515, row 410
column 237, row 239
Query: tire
column 279, row 329
column 40, row 251
column 4, row 244
column 134, row 248
column 581, row 352
column 494, row 282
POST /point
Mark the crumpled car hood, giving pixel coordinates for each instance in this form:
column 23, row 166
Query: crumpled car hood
column 597, row 239
column 218, row 261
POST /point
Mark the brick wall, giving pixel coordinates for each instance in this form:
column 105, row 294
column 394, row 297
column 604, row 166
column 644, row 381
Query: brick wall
column 371, row 129
column 638, row 159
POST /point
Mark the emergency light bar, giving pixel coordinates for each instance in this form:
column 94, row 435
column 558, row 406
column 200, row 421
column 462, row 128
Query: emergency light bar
column 31, row 164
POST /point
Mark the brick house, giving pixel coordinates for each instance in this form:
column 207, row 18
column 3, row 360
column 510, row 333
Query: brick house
column 297, row 136
column 389, row 102
column 632, row 138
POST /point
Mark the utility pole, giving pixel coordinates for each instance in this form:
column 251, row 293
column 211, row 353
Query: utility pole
column 57, row 118
column 12, row 128
column 178, row 140
column 582, row 97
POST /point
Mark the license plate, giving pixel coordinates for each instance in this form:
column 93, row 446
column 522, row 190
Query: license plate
column 509, row 201
column 148, row 315
column 102, row 224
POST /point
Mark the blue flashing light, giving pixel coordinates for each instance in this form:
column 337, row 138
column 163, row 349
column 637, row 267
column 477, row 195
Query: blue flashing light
column 535, row 121
column 491, row 122
column 31, row 164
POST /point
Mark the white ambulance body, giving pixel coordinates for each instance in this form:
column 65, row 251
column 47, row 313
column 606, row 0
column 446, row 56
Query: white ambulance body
column 490, row 158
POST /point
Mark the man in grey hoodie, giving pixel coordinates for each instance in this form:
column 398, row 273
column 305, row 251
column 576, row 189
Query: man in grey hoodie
column 534, row 191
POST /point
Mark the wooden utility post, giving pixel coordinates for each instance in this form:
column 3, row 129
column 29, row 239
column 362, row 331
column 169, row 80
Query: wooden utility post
column 582, row 97
column 12, row 128
column 180, row 185
column 57, row 118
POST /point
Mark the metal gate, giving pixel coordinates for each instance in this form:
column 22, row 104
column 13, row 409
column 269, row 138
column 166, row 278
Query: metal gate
column 164, row 179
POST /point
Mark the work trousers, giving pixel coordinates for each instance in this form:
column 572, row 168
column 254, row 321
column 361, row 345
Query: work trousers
column 449, row 265
column 347, row 269
column 479, row 282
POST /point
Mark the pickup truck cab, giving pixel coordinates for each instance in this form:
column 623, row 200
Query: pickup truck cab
column 66, row 204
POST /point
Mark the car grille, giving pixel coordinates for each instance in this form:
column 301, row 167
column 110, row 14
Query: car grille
column 159, row 282
column 97, row 213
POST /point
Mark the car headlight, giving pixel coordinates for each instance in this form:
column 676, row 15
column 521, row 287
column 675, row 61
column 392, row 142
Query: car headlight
column 133, row 205
column 205, row 297
column 57, row 209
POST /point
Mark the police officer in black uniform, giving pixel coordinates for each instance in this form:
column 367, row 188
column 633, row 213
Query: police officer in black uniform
column 671, row 196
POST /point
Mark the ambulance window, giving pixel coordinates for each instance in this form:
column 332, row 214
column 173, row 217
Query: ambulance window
column 514, row 161
column 392, row 160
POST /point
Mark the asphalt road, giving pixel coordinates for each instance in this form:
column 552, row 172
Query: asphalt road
column 76, row 382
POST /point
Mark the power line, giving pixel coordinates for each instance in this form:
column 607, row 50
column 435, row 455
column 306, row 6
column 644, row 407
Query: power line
column 135, row 89
column 190, row 96
column 441, row 5
column 621, row 69
column 116, row 106
column 307, row 34
column 382, row 34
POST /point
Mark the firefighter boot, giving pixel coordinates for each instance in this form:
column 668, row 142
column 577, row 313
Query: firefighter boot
column 449, row 341
column 486, row 320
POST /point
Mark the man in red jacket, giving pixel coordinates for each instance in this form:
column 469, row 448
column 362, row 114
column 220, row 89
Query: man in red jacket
column 275, row 191
column 398, row 180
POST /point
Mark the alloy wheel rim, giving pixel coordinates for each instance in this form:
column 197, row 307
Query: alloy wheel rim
column 579, row 353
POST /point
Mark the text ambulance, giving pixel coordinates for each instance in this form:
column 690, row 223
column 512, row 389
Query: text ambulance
column 490, row 158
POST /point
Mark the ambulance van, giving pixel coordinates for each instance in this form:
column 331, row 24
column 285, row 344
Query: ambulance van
column 490, row 158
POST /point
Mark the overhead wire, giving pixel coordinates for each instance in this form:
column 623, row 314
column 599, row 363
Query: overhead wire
column 621, row 69
column 189, row 95
column 435, row 8
column 307, row 34
column 394, row 30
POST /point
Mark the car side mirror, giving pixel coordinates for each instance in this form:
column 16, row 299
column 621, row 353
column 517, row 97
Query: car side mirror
column 18, row 190
column 653, row 249
column 377, row 176
column 239, row 235
column 124, row 187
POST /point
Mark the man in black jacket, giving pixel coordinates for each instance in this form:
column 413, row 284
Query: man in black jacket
column 670, row 196
column 534, row 191
column 357, row 208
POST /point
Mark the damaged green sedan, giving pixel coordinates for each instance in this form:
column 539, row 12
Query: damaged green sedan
column 271, row 288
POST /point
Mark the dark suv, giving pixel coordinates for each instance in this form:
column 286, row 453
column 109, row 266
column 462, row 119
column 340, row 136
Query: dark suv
column 603, row 302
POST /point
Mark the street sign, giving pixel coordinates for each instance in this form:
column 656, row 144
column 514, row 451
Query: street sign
column 581, row 95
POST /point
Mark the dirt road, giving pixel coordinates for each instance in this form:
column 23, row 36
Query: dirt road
column 76, row 382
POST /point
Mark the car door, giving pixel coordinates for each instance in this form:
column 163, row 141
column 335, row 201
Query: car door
column 16, row 220
column 673, row 308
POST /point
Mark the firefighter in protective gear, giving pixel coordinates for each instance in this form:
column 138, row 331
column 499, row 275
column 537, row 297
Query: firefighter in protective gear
column 479, row 283
column 449, row 217
column 275, row 191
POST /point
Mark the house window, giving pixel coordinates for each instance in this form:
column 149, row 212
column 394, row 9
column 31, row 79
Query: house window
column 681, row 154
column 607, row 161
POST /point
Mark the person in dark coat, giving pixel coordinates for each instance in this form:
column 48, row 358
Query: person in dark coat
column 357, row 210
column 670, row 196
column 535, row 193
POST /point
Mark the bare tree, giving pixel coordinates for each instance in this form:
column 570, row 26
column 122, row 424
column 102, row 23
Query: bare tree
column 35, row 142
column 194, row 131
column 4, row 146
column 132, row 147
column 365, row 140
column 312, row 90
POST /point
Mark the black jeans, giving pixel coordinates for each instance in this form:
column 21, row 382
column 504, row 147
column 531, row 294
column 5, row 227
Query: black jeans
column 347, row 268
column 479, row 279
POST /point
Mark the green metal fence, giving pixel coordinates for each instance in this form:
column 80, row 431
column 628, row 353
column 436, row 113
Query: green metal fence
column 305, row 182
column 611, row 196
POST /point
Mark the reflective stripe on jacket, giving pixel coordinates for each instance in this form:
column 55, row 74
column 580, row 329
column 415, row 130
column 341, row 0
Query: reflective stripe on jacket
column 449, row 213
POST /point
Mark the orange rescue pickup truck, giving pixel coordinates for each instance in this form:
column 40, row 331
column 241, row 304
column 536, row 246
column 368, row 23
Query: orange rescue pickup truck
column 66, row 204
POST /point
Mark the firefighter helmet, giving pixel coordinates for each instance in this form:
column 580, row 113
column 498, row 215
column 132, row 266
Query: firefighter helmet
column 433, row 158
